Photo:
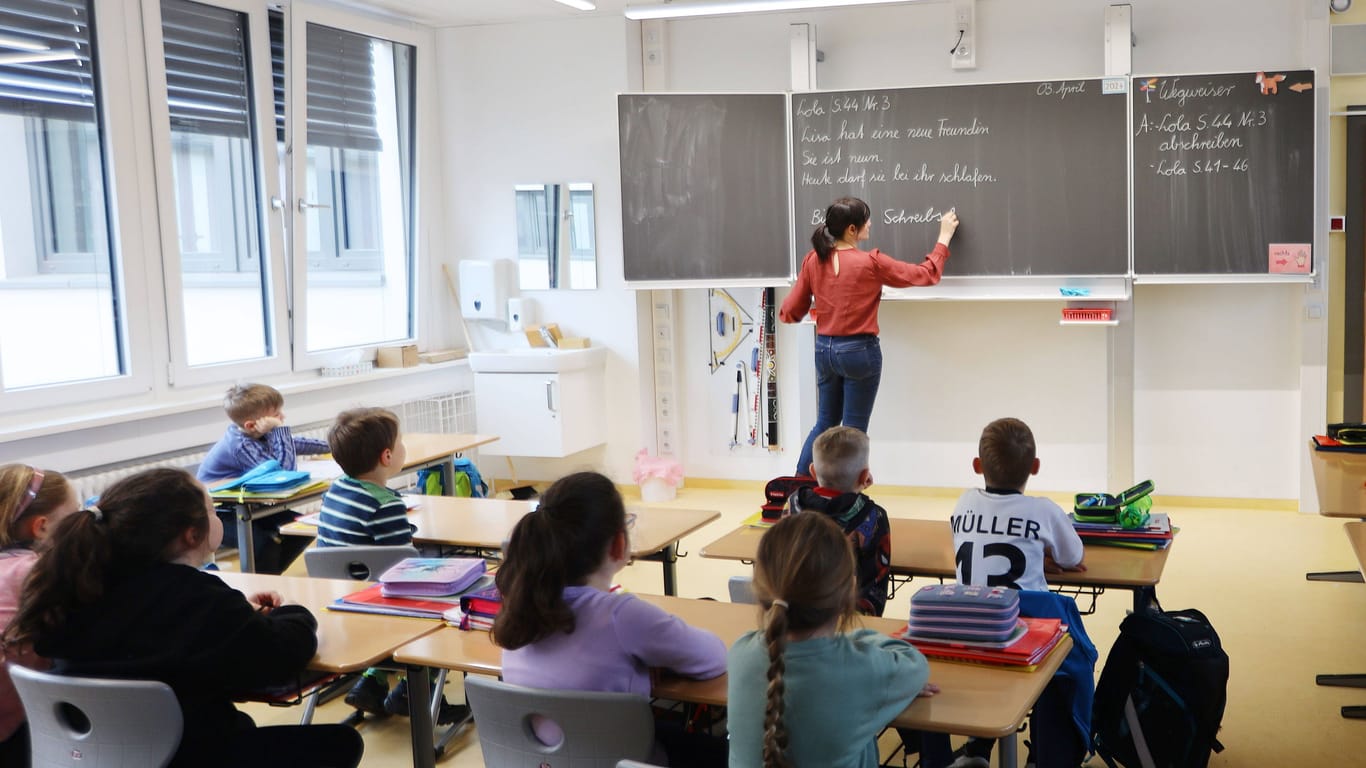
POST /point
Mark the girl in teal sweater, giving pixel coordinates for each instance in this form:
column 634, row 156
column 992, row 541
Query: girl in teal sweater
column 807, row 689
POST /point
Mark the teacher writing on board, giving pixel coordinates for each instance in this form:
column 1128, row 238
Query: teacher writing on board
column 846, row 283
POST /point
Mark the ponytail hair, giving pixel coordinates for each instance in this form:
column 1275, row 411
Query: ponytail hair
column 557, row 546
column 139, row 522
column 804, row 578
column 27, row 492
column 842, row 214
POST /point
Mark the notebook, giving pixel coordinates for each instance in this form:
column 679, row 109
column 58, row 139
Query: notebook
column 430, row 576
column 1040, row 637
column 266, row 477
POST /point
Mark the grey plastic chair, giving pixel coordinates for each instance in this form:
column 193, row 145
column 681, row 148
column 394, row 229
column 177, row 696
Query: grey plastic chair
column 359, row 563
column 600, row 729
column 742, row 590
column 84, row 721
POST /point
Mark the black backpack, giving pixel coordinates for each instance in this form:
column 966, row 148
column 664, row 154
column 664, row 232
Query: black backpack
column 1161, row 694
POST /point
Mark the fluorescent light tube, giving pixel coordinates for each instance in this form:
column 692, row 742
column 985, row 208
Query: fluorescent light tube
column 717, row 8
column 582, row 5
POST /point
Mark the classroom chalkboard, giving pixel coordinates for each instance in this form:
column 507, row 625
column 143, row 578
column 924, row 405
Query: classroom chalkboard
column 1037, row 172
column 704, row 188
column 1223, row 173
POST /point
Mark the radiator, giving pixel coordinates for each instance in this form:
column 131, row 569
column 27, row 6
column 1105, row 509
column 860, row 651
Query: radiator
column 452, row 412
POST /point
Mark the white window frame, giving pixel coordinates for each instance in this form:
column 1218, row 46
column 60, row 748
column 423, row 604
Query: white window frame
column 117, row 33
column 297, row 17
column 271, row 225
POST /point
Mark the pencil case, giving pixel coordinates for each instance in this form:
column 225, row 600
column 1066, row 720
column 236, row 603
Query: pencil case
column 962, row 612
column 1105, row 508
column 1348, row 433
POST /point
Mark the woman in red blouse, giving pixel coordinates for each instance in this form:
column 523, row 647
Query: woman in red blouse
column 846, row 283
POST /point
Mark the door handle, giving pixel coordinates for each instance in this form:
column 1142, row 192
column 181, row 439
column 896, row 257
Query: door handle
column 550, row 395
column 304, row 205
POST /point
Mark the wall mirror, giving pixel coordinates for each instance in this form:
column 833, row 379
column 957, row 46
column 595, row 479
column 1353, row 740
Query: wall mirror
column 556, row 244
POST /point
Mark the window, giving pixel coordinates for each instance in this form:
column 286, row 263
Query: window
column 58, row 270
column 223, row 278
column 357, row 191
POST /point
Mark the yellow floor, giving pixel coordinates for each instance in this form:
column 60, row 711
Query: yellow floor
column 1243, row 568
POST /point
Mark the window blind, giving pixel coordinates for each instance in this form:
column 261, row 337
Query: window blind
column 341, row 90
column 207, row 87
column 61, row 87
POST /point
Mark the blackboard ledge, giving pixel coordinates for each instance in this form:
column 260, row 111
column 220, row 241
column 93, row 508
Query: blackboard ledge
column 1089, row 322
column 1024, row 288
column 715, row 282
column 1225, row 279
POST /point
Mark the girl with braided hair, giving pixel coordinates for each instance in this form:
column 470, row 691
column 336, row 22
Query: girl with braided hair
column 809, row 689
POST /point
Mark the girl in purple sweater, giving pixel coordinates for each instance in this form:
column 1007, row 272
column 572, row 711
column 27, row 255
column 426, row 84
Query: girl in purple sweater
column 561, row 627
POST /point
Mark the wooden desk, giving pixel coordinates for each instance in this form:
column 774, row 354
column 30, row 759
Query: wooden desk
column 482, row 525
column 1356, row 533
column 1340, row 481
column 975, row 699
column 347, row 642
column 925, row 548
column 424, row 450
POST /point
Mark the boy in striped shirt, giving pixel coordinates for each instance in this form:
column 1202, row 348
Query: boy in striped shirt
column 358, row 509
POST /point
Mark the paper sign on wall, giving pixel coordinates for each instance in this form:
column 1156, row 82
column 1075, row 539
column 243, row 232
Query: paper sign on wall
column 1289, row 258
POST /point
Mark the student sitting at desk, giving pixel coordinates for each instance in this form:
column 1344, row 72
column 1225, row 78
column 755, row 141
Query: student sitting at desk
column 1003, row 538
column 561, row 625
column 841, row 469
column 121, row 594
column 32, row 503
column 806, row 690
column 258, row 433
column 360, row 510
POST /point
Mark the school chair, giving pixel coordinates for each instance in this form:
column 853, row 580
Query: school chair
column 599, row 729
column 78, row 721
column 360, row 563
column 742, row 590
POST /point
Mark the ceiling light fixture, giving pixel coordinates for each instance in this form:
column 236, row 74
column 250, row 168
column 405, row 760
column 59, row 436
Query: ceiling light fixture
column 718, row 8
column 582, row 5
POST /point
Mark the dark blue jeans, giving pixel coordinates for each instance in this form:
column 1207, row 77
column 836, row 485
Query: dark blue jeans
column 848, row 371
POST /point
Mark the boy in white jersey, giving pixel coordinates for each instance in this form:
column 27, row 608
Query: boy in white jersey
column 1000, row 536
column 1003, row 538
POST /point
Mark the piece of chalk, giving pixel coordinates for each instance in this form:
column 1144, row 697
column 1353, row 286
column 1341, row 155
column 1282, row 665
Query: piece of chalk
column 1075, row 291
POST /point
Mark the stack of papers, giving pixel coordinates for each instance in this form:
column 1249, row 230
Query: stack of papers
column 476, row 610
column 1155, row 534
column 371, row 600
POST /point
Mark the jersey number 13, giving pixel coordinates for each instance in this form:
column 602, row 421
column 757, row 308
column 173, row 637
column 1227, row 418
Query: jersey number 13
column 964, row 560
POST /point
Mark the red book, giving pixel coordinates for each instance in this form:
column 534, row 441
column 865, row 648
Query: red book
column 369, row 600
column 485, row 602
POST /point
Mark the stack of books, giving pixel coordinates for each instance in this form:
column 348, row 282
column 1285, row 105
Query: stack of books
column 1030, row 643
column 425, row 588
column 1154, row 534
column 476, row 609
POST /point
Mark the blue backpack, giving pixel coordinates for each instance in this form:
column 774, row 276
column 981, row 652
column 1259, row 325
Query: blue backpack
column 468, row 481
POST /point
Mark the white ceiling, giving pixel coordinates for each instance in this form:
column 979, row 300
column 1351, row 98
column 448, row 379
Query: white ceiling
column 449, row 13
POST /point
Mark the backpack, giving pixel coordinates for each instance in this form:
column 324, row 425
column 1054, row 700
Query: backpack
column 1161, row 695
column 777, row 490
column 468, row 481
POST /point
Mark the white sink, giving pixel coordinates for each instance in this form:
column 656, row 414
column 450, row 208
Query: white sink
column 537, row 360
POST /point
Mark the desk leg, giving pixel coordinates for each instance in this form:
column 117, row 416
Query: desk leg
column 420, row 715
column 1350, row 577
column 448, row 476
column 1009, row 752
column 246, row 551
column 670, row 554
column 1144, row 598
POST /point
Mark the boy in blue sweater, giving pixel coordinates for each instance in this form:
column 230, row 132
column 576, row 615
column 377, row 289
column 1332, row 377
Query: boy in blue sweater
column 257, row 434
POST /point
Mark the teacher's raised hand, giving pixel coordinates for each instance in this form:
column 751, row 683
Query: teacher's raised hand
column 948, row 224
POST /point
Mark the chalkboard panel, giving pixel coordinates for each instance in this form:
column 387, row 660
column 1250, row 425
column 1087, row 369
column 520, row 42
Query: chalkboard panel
column 1223, row 173
column 704, row 189
column 1038, row 172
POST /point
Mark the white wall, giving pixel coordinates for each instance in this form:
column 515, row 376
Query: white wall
column 1218, row 370
column 536, row 103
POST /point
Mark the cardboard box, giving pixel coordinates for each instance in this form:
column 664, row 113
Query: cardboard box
column 575, row 342
column 396, row 357
column 442, row 355
column 535, row 334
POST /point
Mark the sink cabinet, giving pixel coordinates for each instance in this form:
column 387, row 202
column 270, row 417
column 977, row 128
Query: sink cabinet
column 548, row 414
